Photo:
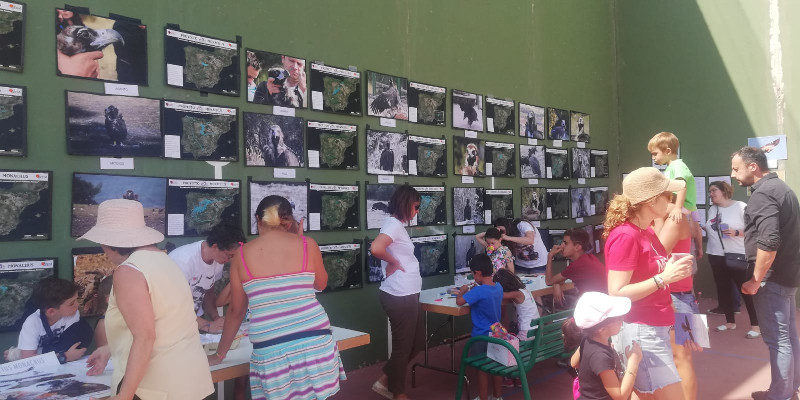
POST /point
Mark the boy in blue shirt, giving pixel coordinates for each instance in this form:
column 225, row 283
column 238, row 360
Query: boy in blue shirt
column 484, row 300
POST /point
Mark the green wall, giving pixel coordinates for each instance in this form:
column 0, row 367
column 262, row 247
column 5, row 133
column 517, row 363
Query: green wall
column 551, row 53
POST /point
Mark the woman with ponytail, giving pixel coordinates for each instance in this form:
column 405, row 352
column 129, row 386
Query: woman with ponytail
column 294, row 353
column 639, row 269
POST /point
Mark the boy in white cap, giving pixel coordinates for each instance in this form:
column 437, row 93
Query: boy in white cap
column 600, row 374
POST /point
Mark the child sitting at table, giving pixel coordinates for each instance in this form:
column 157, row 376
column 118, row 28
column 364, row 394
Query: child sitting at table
column 55, row 326
column 500, row 255
column 484, row 301
column 514, row 290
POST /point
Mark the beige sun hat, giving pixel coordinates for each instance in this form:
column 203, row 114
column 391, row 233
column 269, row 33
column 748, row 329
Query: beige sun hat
column 646, row 183
column 120, row 223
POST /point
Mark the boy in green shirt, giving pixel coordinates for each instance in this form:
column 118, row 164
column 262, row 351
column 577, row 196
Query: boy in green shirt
column 663, row 149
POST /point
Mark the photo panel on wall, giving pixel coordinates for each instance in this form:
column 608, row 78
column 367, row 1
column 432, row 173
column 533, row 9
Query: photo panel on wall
column 27, row 204
column 432, row 253
column 273, row 140
column 387, row 152
column 532, row 121
column 498, row 203
column 468, row 206
column 556, row 163
column 580, row 202
column 276, row 79
column 195, row 206
column 558, row 203
column 579, row 126
column 295, row 192
column 467, row 110
column 335, row 90
column 202, row 63
column 426, row 104
column 500, row 159
column 598, row 159
column 200, row 132
column 12, row 26
column 534, row 203
column 90, row 267
column 599, row 242
column 427, row 156
column 333, row 207
column 500, row 116
column 466, row 247
column 373, row 269
column 13, row 120
column 387, row 96
column 378, row 196
column 18, row 278
column 342, row 262
column 600, row 199
column 557, row 124
column 469, row 156
column 580, row 163
column 590, row 232
column 332, row 146
column 532, row 162
column 432, row 206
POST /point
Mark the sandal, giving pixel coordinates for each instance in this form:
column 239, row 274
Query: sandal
column 752, row 335
column 723, row 328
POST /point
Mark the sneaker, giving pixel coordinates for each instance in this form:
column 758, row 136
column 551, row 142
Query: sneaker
column 717, row 311
column 378, row 388
column 752, row 335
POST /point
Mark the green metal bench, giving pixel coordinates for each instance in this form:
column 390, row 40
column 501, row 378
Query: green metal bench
column 547, row 343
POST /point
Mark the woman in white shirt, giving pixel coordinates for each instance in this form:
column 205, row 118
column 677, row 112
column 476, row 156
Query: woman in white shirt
column 399, row 291
column 725, row 232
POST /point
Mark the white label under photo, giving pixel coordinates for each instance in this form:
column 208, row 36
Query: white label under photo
column 467, row 179
column 388, row 122
column 579, row 220
column 285, row 111
column 471, row 134
column 385, row 178
column 286, row 173
column 121, row 89
column 533, row 142
column 581, row 145
column 116, row 163
column 469, row 228
column 556, row 143
column 581, row 181
column 533, row 181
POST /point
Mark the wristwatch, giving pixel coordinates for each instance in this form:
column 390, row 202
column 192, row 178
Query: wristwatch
column 736, row 233
column 62, row 358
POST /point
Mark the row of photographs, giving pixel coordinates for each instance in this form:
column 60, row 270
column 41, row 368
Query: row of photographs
column 345, row 264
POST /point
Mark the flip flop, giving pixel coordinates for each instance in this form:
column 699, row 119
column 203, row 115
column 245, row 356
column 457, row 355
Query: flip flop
column 752, row 335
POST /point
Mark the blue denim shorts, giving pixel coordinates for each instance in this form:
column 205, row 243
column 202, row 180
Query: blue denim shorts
column 657, row 368
column 684, row 303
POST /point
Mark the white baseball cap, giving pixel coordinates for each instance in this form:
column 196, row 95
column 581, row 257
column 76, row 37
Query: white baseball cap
column 595, row 307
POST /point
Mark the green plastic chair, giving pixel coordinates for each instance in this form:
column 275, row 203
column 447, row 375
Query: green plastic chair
column 547, row 343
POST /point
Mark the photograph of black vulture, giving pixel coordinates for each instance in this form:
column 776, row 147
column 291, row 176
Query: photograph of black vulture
column 342, row 262
column 295, row 192
column 431, row 251
column 599, row 242
column 498, row 203
column 333, row 207
column 579, row 125
column 558, row 203
column 387, row 96
column 113, row 126
column 13, row 121
column 427, row 156
column 273, row 140
column 557, row 124
column 531, row 162
column 500, row 116
column 378, row 196
column 531, row 121
column 580, row 163
column 17, row 278
column 12, row 35
column 102, row 48
column 580, row 199
column 195, row 206
column 468, row 206
column 590, row 231
column 468, row 156
column 600, row 199
column 534, row 203
column 202, row 63
column 335, row 90
column 373, row 269
column 556, row 163
column 426, row 104
column 387, row 153
column 500, row 159
column 467, row 110
column 598, row 160
column 466, row 247
column 203, row 132
column 276, row 79
column 332, row 146
column 26, row 205
column 432, row 206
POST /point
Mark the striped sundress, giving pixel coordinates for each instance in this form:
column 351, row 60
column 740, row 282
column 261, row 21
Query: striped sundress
column 305, row 368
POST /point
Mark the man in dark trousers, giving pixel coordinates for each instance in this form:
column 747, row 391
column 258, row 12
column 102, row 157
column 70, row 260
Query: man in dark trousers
column 771, row 238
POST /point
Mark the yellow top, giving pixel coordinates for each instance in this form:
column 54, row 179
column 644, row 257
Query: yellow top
column 178, row 368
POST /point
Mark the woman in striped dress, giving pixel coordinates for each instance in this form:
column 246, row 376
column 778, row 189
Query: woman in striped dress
column 294, row 353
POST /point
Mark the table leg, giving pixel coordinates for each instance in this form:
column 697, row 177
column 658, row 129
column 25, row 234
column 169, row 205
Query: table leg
column 428, row 337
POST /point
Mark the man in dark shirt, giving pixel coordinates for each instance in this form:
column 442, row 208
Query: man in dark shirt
column 772, row 247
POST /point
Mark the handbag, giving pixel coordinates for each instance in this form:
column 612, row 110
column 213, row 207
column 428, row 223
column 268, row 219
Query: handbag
column 737, row 261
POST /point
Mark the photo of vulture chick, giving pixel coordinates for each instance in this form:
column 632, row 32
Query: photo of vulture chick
column 116, row 129
column 76, row 39
column 386, row 100
column 276, row 152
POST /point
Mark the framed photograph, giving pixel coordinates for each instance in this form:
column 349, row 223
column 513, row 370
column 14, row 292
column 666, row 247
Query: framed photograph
column 17, row 278
column 467, row 110
column 332, row 146
column 468, row 156
column 598, row 161
column 498, row 203
column 342, row 262
column 427, row 156
column 333, row 207
column 373, row 269
column 600, row 199
column 202, row 63
column 432, row 206
column 387, row 96
column 579, row 126
column 335, row 90
column 195, row 206
column 273, row 140
column 378, row 196
column 431, row 251
column 500, row 159
column 500, row 116
column 556, row 237
column 466, row 248
column 387, row 152
column 556, row 163
column 295, row 192
column 580, row 163
column 468, row 206
column 276, row 79
column 12, row 35
column 113, row 126
column 90, row 266
column 531, row 121
column 775, row 147
column 557, row 124
column 13, row 120
column 200, row 132
column 531, row 162
column 27, row 198
column 580, row 202
column 599, row 242
column 534, row 203
column 558, row 203
column 117, row 44
column 701, row 190
column 89, row 190
column 426, row 104
column 590, row 231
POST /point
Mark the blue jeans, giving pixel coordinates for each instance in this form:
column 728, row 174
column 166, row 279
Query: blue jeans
column 776, row 309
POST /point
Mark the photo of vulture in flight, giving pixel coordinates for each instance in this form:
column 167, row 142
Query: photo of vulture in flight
column 387, row 96
column 467, row 110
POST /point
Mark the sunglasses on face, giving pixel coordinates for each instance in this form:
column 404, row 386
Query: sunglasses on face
column 416, row 207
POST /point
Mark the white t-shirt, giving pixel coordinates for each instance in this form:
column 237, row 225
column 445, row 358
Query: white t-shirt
column 32, row 332
column 733, row 215
column 538, row 246
column 400, row 283
column 201, row 276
